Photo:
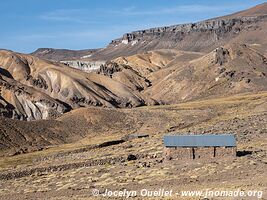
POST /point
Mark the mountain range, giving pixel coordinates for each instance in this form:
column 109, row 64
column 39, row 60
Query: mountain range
column 215, row 58
column 74, row 123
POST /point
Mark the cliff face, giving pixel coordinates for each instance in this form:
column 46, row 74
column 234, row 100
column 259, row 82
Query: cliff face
column 87, row 66
column 218, row 26
column 201, row 36
column 247, row 26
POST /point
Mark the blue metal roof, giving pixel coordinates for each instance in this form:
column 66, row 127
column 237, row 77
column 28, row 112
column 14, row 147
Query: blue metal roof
column 225, row 140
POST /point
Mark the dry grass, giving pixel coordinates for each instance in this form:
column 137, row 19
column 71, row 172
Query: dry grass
column 225, row 108
column 25, row 159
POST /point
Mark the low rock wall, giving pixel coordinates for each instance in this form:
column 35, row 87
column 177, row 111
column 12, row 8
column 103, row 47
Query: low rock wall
column 198, row 152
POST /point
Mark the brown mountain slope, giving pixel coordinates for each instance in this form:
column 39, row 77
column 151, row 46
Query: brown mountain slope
column 26, row 103
column 58, row 82
column 62, row 54
column 151, row 61
column 167, row 76
column 227, row 70
column 175, row 76
column 154, row 65
column 258, row 10
column 139, row 71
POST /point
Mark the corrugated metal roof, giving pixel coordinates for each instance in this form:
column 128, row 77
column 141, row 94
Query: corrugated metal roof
column 225, row 140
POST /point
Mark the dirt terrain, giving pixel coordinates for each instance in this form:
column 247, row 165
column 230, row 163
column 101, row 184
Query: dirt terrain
column 65, row 132
column 33, row 88
column 73, row 170
column 227, row 70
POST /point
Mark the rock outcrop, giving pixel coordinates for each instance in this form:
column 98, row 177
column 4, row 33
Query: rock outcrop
column 87, row 66
column 22, row 102
column 204, row 36
column 217, row 26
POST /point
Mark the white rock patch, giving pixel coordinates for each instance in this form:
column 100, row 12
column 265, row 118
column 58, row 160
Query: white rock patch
column 124, row 41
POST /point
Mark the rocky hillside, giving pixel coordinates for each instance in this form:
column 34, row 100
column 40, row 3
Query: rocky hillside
column 32, row 88
column 24, row 102
column 217, row 57
column 66, row 131
column 227, row 70
column 172, row 76
column 244, row 27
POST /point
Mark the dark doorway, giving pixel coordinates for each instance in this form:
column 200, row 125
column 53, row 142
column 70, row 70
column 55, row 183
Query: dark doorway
column 193, row 152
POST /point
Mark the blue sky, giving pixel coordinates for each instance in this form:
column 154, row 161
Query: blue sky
column 81, row 24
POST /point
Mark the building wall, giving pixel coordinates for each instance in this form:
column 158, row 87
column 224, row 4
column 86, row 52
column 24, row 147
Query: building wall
column 199, row 152
column 225, row 151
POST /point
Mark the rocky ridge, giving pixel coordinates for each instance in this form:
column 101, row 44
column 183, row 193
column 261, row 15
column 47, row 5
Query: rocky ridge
column 204, row 36
column 218, row 26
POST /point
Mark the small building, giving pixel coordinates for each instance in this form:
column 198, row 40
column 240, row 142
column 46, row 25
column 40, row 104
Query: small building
column 199, row 146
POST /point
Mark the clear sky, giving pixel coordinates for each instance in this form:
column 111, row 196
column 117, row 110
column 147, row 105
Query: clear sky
column 82, row 24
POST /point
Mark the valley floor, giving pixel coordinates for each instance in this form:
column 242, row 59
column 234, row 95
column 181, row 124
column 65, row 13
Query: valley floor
column 73, row 171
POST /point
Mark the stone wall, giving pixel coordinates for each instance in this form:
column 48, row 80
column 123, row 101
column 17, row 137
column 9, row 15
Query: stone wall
column 198, row 152
column 225, row 151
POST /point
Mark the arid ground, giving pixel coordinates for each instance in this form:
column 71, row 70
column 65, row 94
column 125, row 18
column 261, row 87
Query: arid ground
column 74, row 170
column 70, row 119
